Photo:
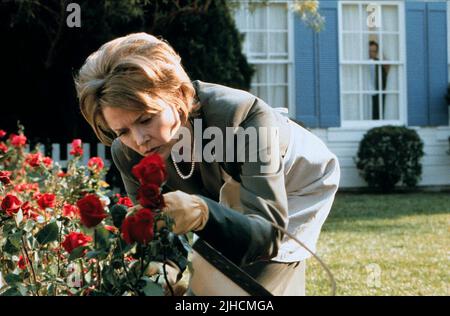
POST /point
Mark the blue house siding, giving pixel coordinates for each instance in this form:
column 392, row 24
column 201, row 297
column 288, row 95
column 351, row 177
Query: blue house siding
column 317, row 70
column 426, row 51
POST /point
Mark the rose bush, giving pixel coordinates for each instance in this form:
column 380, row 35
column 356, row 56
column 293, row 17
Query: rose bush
column 62, row 232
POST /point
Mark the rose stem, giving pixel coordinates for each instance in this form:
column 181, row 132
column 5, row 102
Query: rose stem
column 99, row 281
column 30, row 263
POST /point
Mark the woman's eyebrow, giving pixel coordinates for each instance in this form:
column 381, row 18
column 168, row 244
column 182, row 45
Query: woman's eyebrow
column 121, row 129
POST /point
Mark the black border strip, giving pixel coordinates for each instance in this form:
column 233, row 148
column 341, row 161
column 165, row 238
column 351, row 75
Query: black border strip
column 232, row 271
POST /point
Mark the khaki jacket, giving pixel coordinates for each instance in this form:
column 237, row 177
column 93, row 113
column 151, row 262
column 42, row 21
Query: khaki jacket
column 296, row 194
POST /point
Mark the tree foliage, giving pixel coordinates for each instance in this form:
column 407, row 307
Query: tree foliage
column 42, row 53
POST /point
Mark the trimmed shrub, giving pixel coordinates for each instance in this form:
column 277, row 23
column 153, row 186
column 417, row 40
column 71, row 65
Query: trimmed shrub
column 390, row 155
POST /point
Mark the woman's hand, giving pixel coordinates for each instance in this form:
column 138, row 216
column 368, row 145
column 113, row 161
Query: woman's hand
column 134, row 209
column 189, row 212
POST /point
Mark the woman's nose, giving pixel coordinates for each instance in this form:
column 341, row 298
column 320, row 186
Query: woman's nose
column 140, row 137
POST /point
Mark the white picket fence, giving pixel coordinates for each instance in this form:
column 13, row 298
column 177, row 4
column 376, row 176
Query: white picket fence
column 56, row 155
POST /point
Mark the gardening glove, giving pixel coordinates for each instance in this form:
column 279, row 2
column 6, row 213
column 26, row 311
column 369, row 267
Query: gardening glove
column 189, row 212
column 134, row 208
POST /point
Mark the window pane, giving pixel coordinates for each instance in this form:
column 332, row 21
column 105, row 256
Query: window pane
column 351, row 47
column 350, row 18
column 370, row 106
column 391, row 74
column 278, row 16
column 277, row 73
column 278, row 43
column 390, row 47
column 254, row 90
column 260, row 75
column 389, row 18
column 371, row 46
column 257, row 19
column 240, row 17
column 350, row 78
column 278, row 96
column 257, row 44
column 369, row 78
column 350, row 107
column 371, row 20
column 391, row 106
column 262, row 93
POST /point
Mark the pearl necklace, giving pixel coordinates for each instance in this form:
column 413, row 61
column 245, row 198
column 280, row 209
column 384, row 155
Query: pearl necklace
column 182, row 176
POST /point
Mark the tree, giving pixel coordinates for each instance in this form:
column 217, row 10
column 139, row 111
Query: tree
column 205, row 35
column 41, row 53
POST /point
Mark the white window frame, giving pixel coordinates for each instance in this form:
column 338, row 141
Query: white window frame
column 289, row 61
column 402, row 67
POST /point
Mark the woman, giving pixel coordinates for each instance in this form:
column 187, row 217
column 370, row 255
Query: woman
column 137, row 97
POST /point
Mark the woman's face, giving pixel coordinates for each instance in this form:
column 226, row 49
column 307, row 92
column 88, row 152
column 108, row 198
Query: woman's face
column 143, row 132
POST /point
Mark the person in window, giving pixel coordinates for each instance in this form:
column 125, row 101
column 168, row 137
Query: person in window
column 136, row 96
column 374, row 74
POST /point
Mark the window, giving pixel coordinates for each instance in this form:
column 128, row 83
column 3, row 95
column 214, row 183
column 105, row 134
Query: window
column 268, row 45
column 371, row 47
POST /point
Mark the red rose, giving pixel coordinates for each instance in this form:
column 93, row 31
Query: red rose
column 91, row 210
column 96, row 164
column 77, row 150
column 75, row 240
column 46, row 200
column 62, row 174
column 125, row 201
column 20, row 187
column 4, row 177
column 149, row 195
column 18, row 140
column 11, row 204
column 47, row 161
column 151, row 169
column 2, row 133
column 34, row 160
column 3, row 147
column 29, row 211
column 70, row 210
column 138, row 227
column 22, row 263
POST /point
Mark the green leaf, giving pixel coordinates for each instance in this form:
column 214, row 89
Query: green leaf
column 152, row 289
column 12, row 278
column 8, row 227
column 29, row 226
column 10, row 248
column 16, row 239
column 77, row 253
column 118, row 213
column 96, row 254
column 108, row 276
column 25, row 290
column 102, row 236
column 19, row 217
column 123, row 248
column 48, row 233
column 50, row 289
column 11, row 292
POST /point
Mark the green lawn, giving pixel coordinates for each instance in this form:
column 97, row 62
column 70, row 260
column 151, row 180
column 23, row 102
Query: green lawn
column 402, row 238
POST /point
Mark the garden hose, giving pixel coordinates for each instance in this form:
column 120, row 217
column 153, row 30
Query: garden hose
column 330, row 275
